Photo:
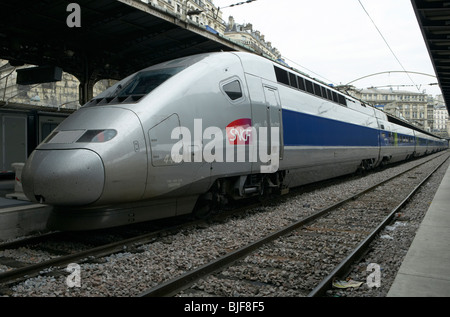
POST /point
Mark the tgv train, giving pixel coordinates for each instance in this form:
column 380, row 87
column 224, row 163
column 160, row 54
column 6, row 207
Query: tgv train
column 188, row 134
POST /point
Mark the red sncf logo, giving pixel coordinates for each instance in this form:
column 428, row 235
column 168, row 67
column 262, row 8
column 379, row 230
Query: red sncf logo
column 239, row 131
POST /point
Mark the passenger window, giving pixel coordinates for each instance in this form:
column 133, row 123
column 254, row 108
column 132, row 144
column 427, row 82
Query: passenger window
column 342, row 100
column 329, row 95
column 233, row 90
column 301, row 83
column 317, row 90
column 309, row 86
column 293, row 80
column 324, row 92
column 335, row 97
column 282, row 75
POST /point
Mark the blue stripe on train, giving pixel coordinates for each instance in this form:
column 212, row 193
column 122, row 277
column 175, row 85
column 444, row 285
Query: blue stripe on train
column 300, row 129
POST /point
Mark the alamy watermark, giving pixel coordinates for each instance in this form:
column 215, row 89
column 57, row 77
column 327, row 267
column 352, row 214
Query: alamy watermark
column 374, row 278
column 242, row 138
column 74, row 279
column 74, row 18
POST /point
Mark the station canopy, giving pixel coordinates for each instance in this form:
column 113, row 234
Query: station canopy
column 115, row 38
column 434, row 20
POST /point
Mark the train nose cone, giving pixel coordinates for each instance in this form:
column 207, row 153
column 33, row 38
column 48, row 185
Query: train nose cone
column 63, row 177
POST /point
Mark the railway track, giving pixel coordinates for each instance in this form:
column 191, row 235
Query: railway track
column 58, row 249
column 147, row 242
column 87, row 246
column 316, row 259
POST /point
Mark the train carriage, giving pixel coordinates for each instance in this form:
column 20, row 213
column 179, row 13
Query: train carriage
column 188, row 134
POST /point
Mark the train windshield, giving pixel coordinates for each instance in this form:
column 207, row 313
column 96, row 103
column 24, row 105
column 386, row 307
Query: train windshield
column 144, row 82
column 139, row 84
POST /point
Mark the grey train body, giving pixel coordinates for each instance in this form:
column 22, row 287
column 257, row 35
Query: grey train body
column 111, row 162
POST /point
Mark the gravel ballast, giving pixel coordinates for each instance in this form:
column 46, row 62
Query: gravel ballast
column 129, row 274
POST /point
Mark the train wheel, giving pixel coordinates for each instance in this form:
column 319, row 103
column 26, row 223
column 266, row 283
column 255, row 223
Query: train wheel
column 204, row 206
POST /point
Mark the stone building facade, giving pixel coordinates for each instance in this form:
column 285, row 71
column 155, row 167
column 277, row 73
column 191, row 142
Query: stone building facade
column 420, row 109
column 202, row 12
column 441, row 118
column 61, row 94
column 244, row 34
column 64, row 93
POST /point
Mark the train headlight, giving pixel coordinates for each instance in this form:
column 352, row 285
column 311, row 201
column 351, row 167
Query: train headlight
column 97, row 136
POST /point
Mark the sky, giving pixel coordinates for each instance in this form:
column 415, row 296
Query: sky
column 336, row 41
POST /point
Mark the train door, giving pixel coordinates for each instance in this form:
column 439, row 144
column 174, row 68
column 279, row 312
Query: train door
column 274, row 122
column 266, row 113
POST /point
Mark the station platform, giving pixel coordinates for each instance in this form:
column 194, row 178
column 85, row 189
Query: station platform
column 19, row 217
column 425, row 271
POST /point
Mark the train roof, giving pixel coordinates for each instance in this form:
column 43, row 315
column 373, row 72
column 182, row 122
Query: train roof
column 390, row 117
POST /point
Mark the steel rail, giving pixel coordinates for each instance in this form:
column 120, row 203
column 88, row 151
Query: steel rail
column 343, row 267
column 96, row 252
column 177, row 284
column 29, row 241
column 18, row 274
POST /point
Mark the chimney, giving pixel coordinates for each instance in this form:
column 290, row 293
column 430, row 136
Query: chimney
column 248, row 27
column 230, row 22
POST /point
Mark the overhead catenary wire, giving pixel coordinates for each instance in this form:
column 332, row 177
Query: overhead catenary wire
column 239, row 3
column 322, row 77
column 385, row 41
column 283, row 57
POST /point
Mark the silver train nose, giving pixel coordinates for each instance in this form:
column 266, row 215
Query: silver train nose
column 63, row 177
